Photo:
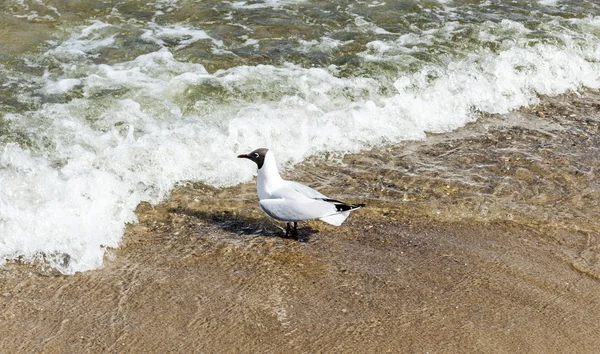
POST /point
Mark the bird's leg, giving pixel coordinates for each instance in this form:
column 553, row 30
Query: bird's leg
column 295, row 232
column 287, row 230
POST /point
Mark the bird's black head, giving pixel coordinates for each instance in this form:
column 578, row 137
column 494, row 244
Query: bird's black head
column 258, row 156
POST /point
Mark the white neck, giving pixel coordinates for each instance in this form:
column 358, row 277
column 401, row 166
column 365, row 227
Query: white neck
column 268, row 177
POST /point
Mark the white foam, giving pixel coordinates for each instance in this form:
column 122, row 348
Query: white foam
column 184, row 35
column 548, row 2
column 36, row 11
column 144, row 125
column 324, row 44
column 77, row 213
column 83, row 44
column 60, row 86
column 376, row 4
column 365, row 25
column 275, row 4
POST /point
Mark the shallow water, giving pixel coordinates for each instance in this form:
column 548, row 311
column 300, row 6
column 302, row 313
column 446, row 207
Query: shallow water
column 106, row 105
column 535, row 169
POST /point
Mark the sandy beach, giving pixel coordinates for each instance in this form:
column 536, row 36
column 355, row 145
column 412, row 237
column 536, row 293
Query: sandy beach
column 503, row 259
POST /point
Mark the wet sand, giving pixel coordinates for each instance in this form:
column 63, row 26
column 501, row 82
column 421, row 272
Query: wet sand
column 482, row 240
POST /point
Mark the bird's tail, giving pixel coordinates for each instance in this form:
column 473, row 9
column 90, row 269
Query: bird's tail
column 338, row 218
column 335, row 219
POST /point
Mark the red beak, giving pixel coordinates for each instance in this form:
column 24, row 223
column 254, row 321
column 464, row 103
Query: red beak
column 242, row 156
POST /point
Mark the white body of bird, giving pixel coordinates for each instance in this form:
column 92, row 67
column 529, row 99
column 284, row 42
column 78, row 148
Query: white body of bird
column 292, row 201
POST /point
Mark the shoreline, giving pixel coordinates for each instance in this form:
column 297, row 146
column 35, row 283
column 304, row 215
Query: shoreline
column 501, row 256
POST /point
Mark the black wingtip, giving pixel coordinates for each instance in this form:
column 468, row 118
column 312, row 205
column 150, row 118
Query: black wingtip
column 348, row 207
column 341, row 206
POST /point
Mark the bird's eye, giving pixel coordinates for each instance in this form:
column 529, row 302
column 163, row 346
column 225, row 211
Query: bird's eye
column 255, row 155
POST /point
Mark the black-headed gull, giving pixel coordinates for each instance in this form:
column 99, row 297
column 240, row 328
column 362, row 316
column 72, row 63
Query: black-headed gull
column 291, row 201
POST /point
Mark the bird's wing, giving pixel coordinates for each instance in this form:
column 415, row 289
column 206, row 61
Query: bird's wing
column 291, row 193
column 288, row 204
column 293, row 190
column 304, row 190
column 294, row 210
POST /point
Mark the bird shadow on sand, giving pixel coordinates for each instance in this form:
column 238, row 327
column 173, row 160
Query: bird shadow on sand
column 244, row 225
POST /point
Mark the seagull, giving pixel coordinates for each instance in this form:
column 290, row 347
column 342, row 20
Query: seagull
column 292, row 201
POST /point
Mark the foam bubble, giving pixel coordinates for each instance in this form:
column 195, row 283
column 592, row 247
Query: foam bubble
column 324, row 44
column 548, row 2
column 83, row 44
column 275, row 4
column 35, row 11
column 183, row 35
